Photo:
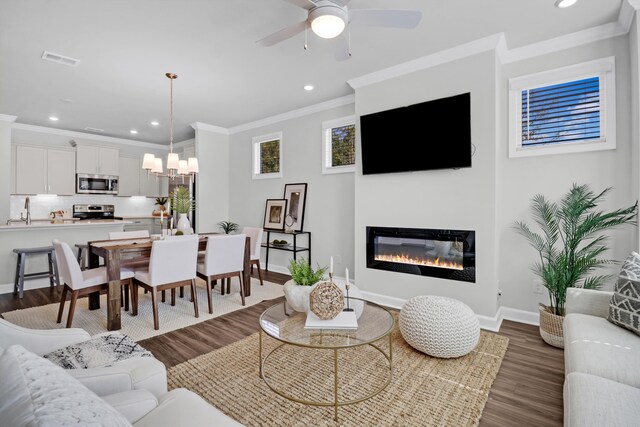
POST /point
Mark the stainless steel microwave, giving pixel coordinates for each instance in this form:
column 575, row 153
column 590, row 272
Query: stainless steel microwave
column 96, row 184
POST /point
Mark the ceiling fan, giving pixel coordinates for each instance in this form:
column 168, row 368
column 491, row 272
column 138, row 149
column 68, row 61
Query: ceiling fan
column 329, row 18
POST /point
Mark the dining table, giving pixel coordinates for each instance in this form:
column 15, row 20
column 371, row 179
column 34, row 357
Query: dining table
column 137, row 252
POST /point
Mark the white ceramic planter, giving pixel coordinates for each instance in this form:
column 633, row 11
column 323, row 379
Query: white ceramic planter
column 183, row 223
column 298, row 296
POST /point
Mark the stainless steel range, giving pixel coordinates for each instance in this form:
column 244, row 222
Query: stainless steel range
column 94, row 212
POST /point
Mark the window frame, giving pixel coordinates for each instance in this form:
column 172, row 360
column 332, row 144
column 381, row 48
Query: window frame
column 327, row 145
column 603, row 68
column 255, row 167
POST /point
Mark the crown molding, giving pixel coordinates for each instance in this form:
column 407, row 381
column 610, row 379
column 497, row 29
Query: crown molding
column 7, row 118
column 567, row 41
column 184, row 143
column 209, row 128
column 304, row 111
column 627, row 12
column 444, row 56
column 91, row 136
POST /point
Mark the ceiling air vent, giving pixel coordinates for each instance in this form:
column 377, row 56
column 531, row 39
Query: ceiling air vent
column 60, row 59
column 90, row 129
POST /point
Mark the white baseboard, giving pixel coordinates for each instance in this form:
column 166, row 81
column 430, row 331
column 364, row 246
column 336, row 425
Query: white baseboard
column 486, row 322
column 42, row 282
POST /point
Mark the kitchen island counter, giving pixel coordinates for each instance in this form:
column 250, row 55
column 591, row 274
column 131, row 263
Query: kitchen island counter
column 42, row 233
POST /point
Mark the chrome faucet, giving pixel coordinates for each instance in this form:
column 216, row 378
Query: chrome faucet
column 27, row 206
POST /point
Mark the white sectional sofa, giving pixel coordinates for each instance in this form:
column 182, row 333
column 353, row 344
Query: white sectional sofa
column 602, row 365
column 131, row 392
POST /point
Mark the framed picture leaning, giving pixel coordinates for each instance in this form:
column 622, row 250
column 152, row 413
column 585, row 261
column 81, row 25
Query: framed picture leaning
column 274, row 214
column 296, row 196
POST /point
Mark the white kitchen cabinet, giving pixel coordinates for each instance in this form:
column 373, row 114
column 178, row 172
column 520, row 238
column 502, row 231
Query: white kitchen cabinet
column 150, row 224
column 135, row 181
column 43, row 171
column 97, row 160
column 129, row 178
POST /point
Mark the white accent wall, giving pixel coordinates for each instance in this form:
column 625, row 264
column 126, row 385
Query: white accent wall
column 462, row 199
column 329, row 208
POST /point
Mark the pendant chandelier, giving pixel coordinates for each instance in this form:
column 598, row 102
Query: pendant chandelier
column 175, row 166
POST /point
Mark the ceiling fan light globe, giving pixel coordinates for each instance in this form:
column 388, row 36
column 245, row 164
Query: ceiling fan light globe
column 328, row 21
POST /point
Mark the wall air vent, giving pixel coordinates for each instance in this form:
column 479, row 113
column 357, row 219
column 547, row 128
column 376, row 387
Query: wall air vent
column 60, row 59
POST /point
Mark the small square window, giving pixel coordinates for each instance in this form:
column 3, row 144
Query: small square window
column 571, row 109
column 267, row 156
column 339, row 145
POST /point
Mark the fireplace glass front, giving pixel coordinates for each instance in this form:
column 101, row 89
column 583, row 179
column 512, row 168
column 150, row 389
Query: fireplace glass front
column 448, row 254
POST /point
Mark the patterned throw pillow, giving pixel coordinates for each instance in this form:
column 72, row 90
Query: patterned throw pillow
column 104, row 350
column 624, row 307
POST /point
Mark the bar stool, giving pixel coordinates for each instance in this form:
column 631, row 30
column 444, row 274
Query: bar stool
column 52, row 273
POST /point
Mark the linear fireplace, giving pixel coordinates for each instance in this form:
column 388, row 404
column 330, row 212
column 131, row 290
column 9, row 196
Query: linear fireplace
column 448, row 254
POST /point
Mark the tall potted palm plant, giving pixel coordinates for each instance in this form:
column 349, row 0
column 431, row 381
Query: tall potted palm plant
column 570, row 245
column 182, row 203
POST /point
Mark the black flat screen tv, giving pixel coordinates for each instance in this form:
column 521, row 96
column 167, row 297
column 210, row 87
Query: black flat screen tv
column 430, row 135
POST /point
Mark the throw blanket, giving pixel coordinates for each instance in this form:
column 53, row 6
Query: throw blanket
column 103, row 350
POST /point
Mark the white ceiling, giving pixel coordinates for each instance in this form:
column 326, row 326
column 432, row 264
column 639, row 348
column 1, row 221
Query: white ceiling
column 225, row 78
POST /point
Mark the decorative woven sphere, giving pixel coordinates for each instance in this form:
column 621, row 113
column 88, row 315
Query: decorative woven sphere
column 326, row 300
column 439, row 326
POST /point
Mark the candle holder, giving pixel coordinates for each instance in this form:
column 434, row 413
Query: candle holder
column 346, row 285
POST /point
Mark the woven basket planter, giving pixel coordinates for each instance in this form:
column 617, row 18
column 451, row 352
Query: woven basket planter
column 551, row 327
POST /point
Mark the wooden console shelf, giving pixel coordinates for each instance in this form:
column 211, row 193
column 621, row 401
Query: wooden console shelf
column 290, row 247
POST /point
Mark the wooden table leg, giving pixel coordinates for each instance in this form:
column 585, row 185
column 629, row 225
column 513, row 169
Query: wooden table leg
column 94, row 262
column 246, row 272
column 113, row 295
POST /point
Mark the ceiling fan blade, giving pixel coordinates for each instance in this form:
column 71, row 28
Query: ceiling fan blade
column 340, row 2
column 284, row 34
column 305, row 4
column 341, row 50
column 385, row 18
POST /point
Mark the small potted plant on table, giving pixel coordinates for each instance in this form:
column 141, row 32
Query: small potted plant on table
column 303, row 281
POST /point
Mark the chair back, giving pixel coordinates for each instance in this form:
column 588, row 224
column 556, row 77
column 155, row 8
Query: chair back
column 255, row 236
column 173, row 259
column 138, row 234
column 225, row 254
column 68, row 267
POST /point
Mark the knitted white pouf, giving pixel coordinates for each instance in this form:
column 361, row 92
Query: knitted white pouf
column 439, row 326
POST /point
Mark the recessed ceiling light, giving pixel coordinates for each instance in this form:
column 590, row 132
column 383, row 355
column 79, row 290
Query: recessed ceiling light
column 307, row 87
column 155, row 123
column 53, row 118
column 133, row 132
column 565, row 3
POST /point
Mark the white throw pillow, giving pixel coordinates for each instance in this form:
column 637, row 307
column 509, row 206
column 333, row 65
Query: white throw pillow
column 35, row 392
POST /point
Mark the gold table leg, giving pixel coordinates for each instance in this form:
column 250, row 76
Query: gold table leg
column 260, row 353
column 335, row 383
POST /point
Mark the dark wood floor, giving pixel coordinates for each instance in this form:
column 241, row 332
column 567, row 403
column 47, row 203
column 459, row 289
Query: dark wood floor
column 526, row 392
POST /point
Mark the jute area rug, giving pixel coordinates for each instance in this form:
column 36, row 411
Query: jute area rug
column 141, row 326
column 424, row 391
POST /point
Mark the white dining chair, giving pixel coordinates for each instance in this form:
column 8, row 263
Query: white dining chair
column 136, row 234
column 79, row 282
column 255, row 236
column 223, row 259
column 172, row 264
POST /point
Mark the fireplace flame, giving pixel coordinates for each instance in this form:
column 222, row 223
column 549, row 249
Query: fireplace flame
column 406, row 259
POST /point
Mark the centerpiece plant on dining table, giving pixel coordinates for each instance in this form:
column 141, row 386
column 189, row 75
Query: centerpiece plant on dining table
column 182, row 203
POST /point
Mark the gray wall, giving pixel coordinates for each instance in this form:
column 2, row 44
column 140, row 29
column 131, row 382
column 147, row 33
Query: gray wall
column 447, row 199
column 553, row 175
column 212, row 186
column 329, row 208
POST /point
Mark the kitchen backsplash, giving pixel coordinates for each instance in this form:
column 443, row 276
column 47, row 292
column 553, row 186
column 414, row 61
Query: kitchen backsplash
column 42, row 205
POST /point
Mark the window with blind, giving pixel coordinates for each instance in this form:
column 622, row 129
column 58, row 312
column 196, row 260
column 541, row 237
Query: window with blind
column 561, row 111
column 267, row 156
column 339, row 145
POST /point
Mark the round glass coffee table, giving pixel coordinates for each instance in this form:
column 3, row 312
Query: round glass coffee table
column 287, row 326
